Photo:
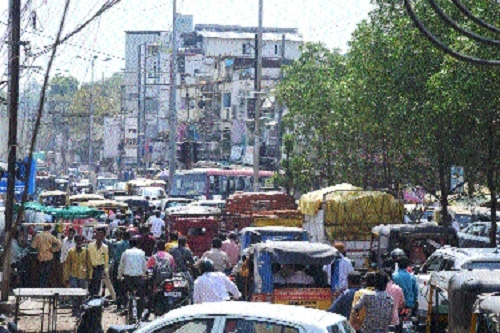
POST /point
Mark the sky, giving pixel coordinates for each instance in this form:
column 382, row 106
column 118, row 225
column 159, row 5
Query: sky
column 329, row 21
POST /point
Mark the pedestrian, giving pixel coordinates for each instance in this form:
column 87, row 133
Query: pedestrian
column 132, row 269
column 99, row 258
column 338, row 270
column 343, row 303
column 68, row 244
column 45, row 244
column 157, row 225
column 147, row 243
column 122, row 244
column 218, row 257
column 213, row 286
column 398, row 296
column 408, row 284
column 231, row 248
column 369, row 288
column 378, row 307
column 77, row 270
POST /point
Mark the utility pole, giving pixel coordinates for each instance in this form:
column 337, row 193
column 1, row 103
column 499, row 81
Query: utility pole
column 91, row 116
column 258, row 86
column 173, row 102
column 12, row 108
column 281, row 106
column 144, row 125
column 139, row 108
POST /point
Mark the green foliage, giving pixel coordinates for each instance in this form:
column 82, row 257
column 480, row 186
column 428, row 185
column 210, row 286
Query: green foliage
column 393, row 110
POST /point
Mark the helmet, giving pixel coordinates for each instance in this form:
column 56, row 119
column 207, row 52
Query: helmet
column 397, row 253
column 206, row 266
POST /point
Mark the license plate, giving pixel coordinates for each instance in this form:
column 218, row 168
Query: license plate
column 407, row 324
column 173, row 294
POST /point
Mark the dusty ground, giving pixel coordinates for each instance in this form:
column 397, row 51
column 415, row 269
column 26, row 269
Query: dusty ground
column 30, row 318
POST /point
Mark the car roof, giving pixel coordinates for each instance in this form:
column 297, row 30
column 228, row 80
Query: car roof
column 471, row 254
column 270, row 228
column 286, row 313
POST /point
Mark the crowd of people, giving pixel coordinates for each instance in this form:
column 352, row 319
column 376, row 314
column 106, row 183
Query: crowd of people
column 123, row 262
column 374, row 302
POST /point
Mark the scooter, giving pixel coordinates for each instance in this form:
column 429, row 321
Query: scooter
column 90, row 321
column 173, row 293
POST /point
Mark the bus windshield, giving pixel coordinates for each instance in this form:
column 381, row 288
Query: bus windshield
column 191, row 185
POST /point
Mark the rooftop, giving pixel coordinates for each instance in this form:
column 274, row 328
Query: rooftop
column 239, row 28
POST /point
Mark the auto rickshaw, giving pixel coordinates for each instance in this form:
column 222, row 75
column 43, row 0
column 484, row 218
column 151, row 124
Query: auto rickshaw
column 53, row 198
column 76, row 200
column 418, row 241
column 486, row 315
column 106, row 205
column 267, row 260
column 453, row 297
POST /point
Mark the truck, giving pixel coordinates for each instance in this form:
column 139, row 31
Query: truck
column 345, row 213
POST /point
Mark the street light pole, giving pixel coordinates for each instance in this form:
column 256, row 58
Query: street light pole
column 258, row 86
column 173, row 102
column 91, row 113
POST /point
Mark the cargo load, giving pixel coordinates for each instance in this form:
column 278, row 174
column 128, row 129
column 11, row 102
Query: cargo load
column 345, row 213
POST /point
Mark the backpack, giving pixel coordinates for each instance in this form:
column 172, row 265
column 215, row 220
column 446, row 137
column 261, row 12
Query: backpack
column 161, row 270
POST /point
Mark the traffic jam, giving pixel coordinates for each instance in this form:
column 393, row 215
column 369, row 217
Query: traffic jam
column 289, row 252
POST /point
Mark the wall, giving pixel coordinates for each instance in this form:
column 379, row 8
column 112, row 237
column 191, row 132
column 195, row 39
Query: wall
column 234, row 47
column 112, row 137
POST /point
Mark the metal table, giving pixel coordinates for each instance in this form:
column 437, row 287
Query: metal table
column 50, row 296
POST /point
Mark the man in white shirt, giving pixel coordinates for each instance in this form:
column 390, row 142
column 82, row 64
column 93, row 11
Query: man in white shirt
column 68, row 244
column 157, row 225
column 218, row 257
column 132, row 268
column 338, row 270
column 213, row 286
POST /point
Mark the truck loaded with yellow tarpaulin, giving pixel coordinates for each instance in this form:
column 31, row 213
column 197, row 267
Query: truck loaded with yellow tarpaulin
column 345, row 213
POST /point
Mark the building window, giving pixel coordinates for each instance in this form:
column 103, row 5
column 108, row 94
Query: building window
column 247, row 48
column 226, row 100
column 276, row 49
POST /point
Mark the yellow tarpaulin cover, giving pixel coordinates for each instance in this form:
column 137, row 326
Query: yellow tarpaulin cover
column 310, row 203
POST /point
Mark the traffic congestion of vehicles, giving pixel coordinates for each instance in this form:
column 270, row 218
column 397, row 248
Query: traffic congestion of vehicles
column 279, row 237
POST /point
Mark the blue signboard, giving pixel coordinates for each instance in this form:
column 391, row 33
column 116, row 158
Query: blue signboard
column 20, row 183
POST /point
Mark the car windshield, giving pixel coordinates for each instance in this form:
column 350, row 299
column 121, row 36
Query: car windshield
column 463, row 218
column 482, row 265
column 192, row 185
column 151, row 192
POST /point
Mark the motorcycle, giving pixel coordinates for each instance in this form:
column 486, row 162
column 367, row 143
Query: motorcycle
column 173, row 293
column 90, row 321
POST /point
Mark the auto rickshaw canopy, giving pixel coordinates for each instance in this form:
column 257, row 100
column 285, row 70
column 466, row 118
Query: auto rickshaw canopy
column 296, row 252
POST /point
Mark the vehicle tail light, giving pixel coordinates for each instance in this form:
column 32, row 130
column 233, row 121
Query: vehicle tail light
column 169, row 286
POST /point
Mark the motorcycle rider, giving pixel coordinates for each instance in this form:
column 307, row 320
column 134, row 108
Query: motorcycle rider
column 213, row 286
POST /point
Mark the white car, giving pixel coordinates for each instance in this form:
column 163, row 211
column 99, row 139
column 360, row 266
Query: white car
column 453, row 259
column 232, row 317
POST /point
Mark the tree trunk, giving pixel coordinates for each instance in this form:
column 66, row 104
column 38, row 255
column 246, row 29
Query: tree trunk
column 491, row 184
column 443, row 186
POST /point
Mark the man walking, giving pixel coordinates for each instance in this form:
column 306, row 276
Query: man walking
column 122, row 244
column 99, row 258
column 343, row 303
column 407, row 282
column 77, row 269
column 131, row 269
column 157, row 225
column 231, row 248
column 146, row 242
column 338, row 270
column 45, row 244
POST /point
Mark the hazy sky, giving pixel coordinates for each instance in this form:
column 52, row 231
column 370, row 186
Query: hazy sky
column 328, row 21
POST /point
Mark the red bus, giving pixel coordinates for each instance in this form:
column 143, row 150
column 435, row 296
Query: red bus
column 215, row 183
